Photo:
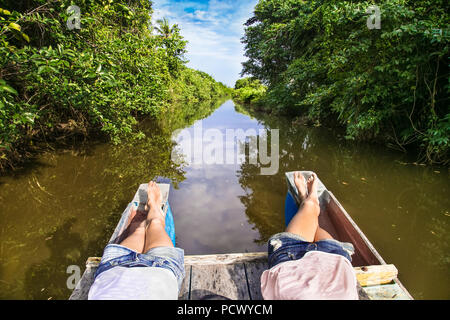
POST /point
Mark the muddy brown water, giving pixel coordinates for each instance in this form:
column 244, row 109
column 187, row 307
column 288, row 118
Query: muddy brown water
column 64, row 206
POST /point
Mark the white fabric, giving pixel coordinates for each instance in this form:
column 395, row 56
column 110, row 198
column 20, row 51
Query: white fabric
column 146, row 283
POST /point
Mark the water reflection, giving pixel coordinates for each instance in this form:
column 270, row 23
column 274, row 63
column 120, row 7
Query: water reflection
column 208, row 213
column 63, row 208
column 402, row 208
column 66, row 210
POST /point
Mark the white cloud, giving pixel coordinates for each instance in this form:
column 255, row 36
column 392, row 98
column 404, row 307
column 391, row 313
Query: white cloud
column 214, row 29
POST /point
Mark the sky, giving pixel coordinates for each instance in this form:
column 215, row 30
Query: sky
column 214, row 29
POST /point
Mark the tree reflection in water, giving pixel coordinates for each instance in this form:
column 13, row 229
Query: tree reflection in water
column 403, row 208
column 63, row 208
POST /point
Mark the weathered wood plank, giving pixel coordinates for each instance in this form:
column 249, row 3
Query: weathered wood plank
column 185, row 291
column 375, row 275
column 211, row 281
column 403, row 289
column 254, row 270
column 361, row 293
column 212, row 259
column 93, row 262
column 231, row 258
column 237, row 276
column 386, row 292
column 81, row 291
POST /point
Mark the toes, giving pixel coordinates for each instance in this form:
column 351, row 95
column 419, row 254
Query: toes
column 300, row 183
column 312, row 184
column 151, row 186
column 301, row 177
column 153, row 193
column 298, row 176
column 314, row 178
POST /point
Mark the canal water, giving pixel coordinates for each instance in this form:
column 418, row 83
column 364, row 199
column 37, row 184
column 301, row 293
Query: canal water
column 64, row 206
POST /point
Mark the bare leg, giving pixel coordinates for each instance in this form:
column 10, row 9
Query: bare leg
column 135, row 232
column 321, row 234
column 306, row 222
column 156, row 235
column 147, row 231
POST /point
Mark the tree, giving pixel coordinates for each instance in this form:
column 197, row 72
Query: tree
column 320, row 60
column 57, row 83
column 165, row 30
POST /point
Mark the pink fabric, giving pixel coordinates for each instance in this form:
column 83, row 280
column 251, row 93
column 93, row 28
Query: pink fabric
column 316, row 276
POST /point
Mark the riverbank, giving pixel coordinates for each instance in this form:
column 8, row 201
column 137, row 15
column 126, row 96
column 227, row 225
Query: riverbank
column 60, row 85
column 328, row 62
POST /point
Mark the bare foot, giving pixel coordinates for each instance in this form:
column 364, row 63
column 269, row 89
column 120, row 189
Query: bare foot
column 154, row 195
column 154, row 202
column 312, row 185
column 300, row 183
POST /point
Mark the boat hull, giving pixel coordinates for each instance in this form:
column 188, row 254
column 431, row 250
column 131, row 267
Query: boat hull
column 335, row 220
column 138, row 202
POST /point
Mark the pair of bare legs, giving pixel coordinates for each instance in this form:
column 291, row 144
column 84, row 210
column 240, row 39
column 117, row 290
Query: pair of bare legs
column 306, row 222
column 146, row 229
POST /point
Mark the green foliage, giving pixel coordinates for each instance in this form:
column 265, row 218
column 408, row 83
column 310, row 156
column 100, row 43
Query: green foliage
column 57, row 83
column 164, row 28
column 249, row 91
column 321, row 60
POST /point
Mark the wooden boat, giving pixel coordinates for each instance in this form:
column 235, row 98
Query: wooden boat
column 236, row 276
column 334, row 219
column 138, row 202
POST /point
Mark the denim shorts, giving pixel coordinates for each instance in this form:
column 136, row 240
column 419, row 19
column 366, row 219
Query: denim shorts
column 168, row 258
column 287, row 246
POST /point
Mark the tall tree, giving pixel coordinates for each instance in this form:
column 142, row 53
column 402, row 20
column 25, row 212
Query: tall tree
column 164, row 29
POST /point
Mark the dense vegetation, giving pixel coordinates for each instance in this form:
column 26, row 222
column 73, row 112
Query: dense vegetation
column 249, row 91
column 320, row 60
column 58, row 81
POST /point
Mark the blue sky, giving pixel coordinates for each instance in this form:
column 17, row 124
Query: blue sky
column 214, row 29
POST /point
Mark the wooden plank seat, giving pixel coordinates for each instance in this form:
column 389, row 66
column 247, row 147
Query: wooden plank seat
column 237, row 277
